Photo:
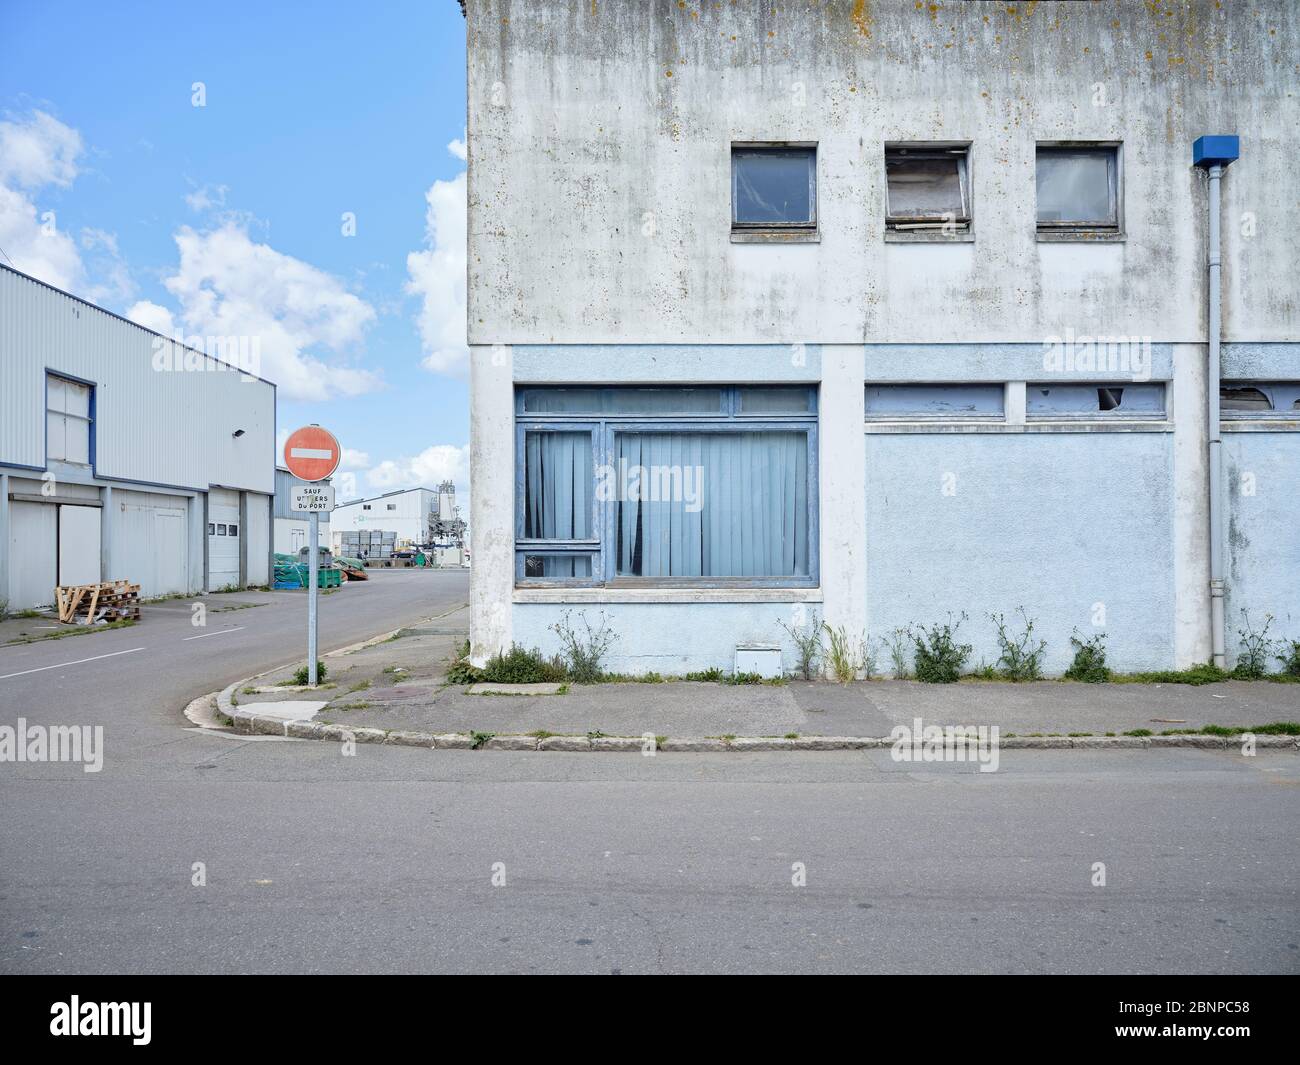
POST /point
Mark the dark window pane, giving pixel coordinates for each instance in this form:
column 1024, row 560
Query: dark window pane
column 1075, row 186
column 774, row 400
column 772, row 185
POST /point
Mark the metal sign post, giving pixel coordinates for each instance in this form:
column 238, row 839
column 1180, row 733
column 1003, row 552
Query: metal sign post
column 312, row 454
column 313, row 582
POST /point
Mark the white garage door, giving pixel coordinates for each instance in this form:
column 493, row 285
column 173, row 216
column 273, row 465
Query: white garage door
column 78, row 545
column 223, row 539
column 150, row 544
column 33, row 557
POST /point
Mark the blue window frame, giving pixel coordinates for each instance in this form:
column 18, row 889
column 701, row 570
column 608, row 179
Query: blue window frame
column 702, row 487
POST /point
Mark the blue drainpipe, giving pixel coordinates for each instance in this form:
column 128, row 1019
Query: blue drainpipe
column 1213, row 154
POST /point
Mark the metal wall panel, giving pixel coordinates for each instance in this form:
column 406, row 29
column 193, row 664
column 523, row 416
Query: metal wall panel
column 78, row 545
column 33, row 553
column 162, row 416
column 149, row 542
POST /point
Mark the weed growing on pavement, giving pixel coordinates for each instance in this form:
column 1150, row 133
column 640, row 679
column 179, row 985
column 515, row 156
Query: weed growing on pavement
column 1089, row 663
column 807, row 643
column 477, row 739
column 300, row 679
column 584, row 652
column 840, row 654
column 1252, row 659
column 1020, row 659
column 897, row 645
column 939, row 658
column 460, row 670
column 1290, row 658
column 712, row 675
column 521, row 665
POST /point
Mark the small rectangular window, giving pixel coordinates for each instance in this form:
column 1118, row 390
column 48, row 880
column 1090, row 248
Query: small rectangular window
column 797, row 400
column 1091, row 401
column 1078, row 188
column 774, row 186
column 889, row 402
column 927, row 187
column 1246, row 398
column 392, row 506
column 212, row 528
column 233, row 530
column 557, row 566
column 365, row 506
column 221, row 529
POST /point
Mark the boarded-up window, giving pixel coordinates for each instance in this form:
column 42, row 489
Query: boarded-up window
column 67, row 420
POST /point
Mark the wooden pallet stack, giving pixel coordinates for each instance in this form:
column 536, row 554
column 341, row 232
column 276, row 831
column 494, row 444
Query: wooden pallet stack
column 85, row 604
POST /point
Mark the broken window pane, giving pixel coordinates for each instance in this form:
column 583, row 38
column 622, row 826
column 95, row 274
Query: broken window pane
column 1243, row 398
column 1259, row 397
column 1146, row 399
column 773, row 186
column 926, row 187
column 1077, row 186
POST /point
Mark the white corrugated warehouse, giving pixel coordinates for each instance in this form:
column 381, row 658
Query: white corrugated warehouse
column 292, row 528
column 125, row 455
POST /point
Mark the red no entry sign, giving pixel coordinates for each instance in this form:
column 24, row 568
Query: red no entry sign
column 312, row 453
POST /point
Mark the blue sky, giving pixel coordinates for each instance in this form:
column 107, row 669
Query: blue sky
column 227, row 218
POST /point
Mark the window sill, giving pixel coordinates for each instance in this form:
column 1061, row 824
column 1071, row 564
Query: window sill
column 775, row 236
column 1064, row 426
column 1081, row 236
column 1257, row 424
column 667, row 595
column 928, row 236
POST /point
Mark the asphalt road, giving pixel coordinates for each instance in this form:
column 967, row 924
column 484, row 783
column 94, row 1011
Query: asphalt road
column 314, row 860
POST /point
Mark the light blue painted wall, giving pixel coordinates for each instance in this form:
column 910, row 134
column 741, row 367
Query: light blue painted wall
column 1052, row 522
column 1263, row 535
column 726, row 364
column 669, row 638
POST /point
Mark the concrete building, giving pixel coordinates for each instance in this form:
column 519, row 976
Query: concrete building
column 409, row 512
column 123, row 455
column 879, row 313
column 292, row 528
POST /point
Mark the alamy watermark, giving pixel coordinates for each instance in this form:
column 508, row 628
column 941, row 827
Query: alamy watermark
column 951, row 743
column 197, row 354
column 669, row 483
column 1070, row 353
column 54, row 743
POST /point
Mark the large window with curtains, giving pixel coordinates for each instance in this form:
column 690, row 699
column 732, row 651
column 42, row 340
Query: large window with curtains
column 707, row 486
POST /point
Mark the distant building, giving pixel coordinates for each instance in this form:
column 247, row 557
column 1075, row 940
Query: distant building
column 408, row 512
column 124, row 455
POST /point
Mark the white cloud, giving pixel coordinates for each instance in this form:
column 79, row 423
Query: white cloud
column 354, row 459
column 207, row 198
column 437, row 276
column 152, row 316
column 431, row 466
column 459, row 149
column 229, row 285
column 37, row 246
column 37, row 154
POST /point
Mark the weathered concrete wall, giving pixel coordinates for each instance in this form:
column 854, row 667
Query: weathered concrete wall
column 599, row 167
column 1060, row 524
column 668, row 638
column 1262, row 475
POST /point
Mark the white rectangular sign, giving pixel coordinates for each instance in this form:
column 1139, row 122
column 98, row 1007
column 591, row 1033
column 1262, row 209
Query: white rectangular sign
column 312, row 497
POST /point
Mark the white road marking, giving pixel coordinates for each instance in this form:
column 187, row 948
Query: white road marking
column 79, row 661
column 220, row 632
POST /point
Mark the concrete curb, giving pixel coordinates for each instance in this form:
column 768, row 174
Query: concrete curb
column 254, row 724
